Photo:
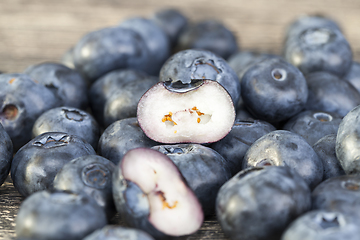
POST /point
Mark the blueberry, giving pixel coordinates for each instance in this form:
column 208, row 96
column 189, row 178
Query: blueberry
column 90, row 175
column 107, row 49
column 323, row 225
column 155, row 39
column 6, row 154
column 35, row 165
column 112, row 232
column 204, row 170
column 285, row 148
column 259, row 203
column 158, row 200
column 66, row 83
column 242, row 135
column 58, row 215
column 68, row 59
column 329, row 93
column 319, row 49
column 273, row 90
column 211, row 35
column 70, row 120
column 353, row 75
column 339, row 193
column 325, row 149
column 22, row 101
column 188, row 65
column 120, row 137
column 313, row 125
column 172, row 22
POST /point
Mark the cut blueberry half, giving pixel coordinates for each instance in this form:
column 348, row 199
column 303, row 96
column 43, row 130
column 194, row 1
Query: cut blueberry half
column 151, row 194
column 202, row 114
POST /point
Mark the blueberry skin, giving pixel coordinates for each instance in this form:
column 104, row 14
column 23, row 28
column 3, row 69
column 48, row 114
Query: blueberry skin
column 66, row 83
column 105, row 86
column 309, row 21
column 353, row 75
column 285, row 148
column 172, row 22
column 329, row 93
column 70, row 120
column 188, row 65
column 107, row 49
column 313, row 125
column 243, row 60
column 242, row 135
column 122, row 103
column 339, row 193
column 111, row 232
column 58, row 215
column 22, row 101
column 211, row 35
column 247, row 209
column 67, row 59
column 319, row 49
column 203, row 168
column 323, row 225
column 35, row 165
column 155, row 39
column 325, row 149
column 6, row 154
column 122, row 136
column 273, row 90
column 90, row 175
column 347, row 142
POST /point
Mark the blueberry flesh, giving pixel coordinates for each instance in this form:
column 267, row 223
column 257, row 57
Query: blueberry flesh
column 112, row 232
column 188, row 65
column 172, row 22
column 22, row 101
column 353, row 75
column 313, row 125
column 285, row 148
column 107, row 49
column 204, row 170
column 243, row 60
column 35, row 165
column 242, row 135
column 348, row 143
column 158, row 200
column 325, row 149
column 329, row 93
column 247, row 209
column 339, row 193
column 319, row 49
column 155, row 39
column 211, row 35
column 323, row 225
column 58, row 215
column 122, row 136
column 66, row 83
column 70, row 120
column 6, row 154
column 273, row 90
column 90, row 175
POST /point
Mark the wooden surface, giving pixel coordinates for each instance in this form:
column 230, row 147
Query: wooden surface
column 33, row 31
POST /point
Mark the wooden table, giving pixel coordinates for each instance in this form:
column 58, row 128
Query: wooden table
column 34, row 31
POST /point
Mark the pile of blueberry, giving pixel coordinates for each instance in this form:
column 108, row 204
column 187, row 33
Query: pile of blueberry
column 167, row 122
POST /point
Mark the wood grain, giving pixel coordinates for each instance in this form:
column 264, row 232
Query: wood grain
column 34, row 31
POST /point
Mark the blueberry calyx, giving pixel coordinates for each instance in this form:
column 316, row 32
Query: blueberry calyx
column 351, row 185
column 248, row 170
column 95, row 176
column 180, row 87
column 53, row 141
column 323, row 117
column 265, row 162
column 329, row 220
column 9, row 112
column 74, row 115
column 279, row 74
